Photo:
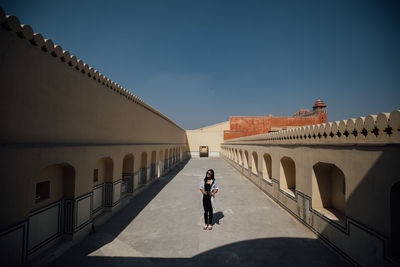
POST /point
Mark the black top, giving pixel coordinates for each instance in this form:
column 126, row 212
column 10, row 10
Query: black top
column 207, row 187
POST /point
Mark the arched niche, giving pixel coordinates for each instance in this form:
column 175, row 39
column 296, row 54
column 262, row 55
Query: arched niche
column 103, row 171
column 52, row 183
column 288, row 175
column 246, row 159
column 267, row 166
column 329, row 190
column 254, row 163
column 143, row 168
column 153, row 164
column 127, row 185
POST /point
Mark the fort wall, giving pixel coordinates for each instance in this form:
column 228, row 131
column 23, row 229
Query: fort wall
column 75, row 146
column 252, row 125
column 340, row 179
column 49, row 96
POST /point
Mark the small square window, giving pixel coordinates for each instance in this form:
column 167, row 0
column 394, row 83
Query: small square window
column 42, row 191
column 95, row 175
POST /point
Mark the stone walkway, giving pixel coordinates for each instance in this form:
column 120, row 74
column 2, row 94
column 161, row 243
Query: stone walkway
column 163, row 227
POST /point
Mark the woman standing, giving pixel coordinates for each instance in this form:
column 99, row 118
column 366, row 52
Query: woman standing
column 209, row 188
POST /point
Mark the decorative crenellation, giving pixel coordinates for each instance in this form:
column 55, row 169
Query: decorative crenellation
column 25, row 32
column 383, row 128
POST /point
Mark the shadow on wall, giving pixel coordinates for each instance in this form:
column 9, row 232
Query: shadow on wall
column 375, row 200
column 257, row 252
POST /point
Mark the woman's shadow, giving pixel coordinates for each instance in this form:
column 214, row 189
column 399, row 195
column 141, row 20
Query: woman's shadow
column 218, row 216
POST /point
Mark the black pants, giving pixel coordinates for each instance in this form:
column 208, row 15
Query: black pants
column 208, row 211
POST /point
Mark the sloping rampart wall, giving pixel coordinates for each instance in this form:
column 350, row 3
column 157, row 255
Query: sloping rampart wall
column 49, row 96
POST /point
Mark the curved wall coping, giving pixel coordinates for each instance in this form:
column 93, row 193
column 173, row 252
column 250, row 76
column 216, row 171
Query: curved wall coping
column 25, row 32
column 383, row 128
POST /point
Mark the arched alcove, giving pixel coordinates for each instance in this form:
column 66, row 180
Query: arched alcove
column 143, row 169
column 170, row 159
column 254, row 163
column 267, row 167
column 52, row 183
column 166, row 159
column 329, row 191
column 127, row 185
column 246, row 159
column 153, row 164
column 103, row 171
column 127, row 164
column 102, row 175
column 288, row 175
column 160, row 162
column 240, row 157
column 51, row 204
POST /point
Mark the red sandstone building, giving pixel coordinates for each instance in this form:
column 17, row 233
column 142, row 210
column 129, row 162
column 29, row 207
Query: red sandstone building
column 251, row 125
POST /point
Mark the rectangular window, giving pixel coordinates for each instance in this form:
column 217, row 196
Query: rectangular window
column 42, row 191
column 95, row 175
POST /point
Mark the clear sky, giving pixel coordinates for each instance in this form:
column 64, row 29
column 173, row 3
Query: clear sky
column 199, row 62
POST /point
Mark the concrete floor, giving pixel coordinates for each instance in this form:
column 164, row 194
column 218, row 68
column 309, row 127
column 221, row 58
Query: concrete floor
column 163, row 227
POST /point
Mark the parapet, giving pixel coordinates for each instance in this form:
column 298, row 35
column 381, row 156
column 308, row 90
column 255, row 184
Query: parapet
column 25, row 32
column 380, row 129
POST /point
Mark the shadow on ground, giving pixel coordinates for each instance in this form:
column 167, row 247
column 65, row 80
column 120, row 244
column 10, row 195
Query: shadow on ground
column 218, row 216
column 257, row 252
column 119, row 221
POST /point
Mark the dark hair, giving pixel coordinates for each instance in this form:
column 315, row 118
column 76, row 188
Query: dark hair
column 212, row 174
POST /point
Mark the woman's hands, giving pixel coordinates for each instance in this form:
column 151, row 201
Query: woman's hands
column 208, row 193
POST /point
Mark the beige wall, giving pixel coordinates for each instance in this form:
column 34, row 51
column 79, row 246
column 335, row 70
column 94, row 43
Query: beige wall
column 45, row 100
column 211, row 136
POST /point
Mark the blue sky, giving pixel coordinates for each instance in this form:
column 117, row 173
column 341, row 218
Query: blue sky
column 200, row 62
